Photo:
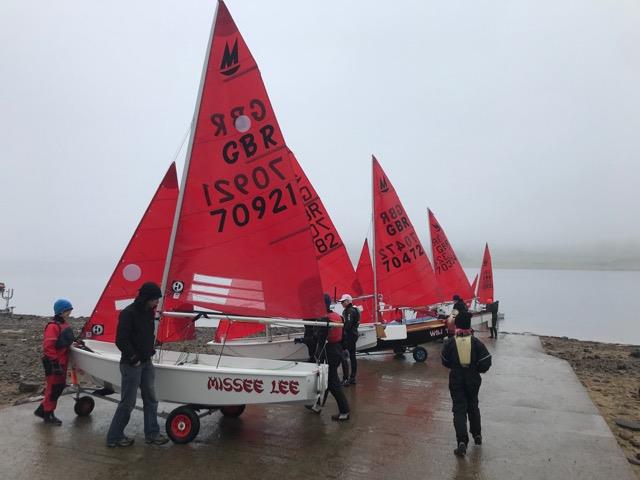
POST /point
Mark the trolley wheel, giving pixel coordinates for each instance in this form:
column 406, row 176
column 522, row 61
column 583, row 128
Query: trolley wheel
column 399, row 350
column 232, row 411
column 84, row 406
column 183, row 425
column 419, row 354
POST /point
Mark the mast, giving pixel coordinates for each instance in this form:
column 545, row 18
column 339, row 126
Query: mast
column 185, row 171
column 373, row 244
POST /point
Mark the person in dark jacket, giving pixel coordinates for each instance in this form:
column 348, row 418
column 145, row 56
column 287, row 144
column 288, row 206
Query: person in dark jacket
column 493, row 308
column 135, row 338
column 459, row 304
column 466, row 357
column 351, row 317
column 333, row 349
column 58, row 337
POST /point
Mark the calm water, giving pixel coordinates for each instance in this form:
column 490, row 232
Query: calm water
column 589, row 305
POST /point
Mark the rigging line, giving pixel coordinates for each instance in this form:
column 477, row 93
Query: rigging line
column 184, row 139
column 224, row 341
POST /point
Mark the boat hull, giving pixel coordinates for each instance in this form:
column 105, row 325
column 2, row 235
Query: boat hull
column 282, row 347
column 410, row 335
column 211, row 380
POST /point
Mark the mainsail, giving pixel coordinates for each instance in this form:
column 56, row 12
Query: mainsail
column 364, row 272
column 485, row 285
column 142, row 261
column 242, row 243
column 336, row 270
column 449, row 273
column 403, row 272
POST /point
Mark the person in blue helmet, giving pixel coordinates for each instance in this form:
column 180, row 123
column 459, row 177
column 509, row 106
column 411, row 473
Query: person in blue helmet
column 58, row 337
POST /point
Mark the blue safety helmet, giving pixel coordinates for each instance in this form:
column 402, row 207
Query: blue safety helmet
column 61, row 306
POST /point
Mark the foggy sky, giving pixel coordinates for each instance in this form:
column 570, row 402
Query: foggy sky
column 517, row 123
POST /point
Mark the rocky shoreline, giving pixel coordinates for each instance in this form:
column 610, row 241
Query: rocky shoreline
column 21, row 375
column 611, row 375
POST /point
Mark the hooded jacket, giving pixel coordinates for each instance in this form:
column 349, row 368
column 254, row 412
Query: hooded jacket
column 135, row 334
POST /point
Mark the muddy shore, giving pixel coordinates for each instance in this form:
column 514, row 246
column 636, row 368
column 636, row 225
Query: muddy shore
column 610, row 372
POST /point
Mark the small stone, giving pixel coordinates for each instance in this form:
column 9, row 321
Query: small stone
column 635, row 353
column 623, row 434
column 28, row 387
column 635, row 441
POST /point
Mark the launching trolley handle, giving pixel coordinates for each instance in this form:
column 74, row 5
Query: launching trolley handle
column 264, row 320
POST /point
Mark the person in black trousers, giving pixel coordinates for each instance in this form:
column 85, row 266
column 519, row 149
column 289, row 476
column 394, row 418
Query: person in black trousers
column 466, row 357
column 493, row 308
column 351, row 317
column 334, row 357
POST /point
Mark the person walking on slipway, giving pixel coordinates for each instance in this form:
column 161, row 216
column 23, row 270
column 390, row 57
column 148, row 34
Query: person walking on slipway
column 466, row 357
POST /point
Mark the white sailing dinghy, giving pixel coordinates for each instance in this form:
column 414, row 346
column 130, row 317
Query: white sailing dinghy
column 239, row 244
column 336, row 274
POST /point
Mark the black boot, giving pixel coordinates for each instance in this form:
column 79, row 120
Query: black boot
column 461, row 450
column 39, row 412
column 49, row 417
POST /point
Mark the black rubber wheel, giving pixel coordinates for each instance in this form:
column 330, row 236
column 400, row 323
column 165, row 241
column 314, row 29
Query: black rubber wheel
column 84, row 406
column 232, row 411
column 399, row 350
column 419, row 354
column 183, row 424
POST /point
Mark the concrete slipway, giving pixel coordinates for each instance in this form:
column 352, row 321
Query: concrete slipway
column 538, row 423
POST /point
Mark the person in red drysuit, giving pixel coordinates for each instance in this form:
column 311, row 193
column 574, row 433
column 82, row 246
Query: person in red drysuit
column 58, row 337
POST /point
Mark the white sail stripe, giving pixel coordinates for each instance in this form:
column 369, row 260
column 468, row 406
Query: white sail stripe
column 228, row 292
column 209, row 289
column 197, row 277
column 233, row 302
column 228, row 282
column 123, row 303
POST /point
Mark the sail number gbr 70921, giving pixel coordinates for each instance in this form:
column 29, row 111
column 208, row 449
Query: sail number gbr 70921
column 256, row 190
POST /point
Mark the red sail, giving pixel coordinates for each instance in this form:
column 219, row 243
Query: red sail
column 449, row 273
column 364, row 272
column 242, row 243
column 404, row 274
column 336, row 270
column 474, row 285
column 142, row 261
column 485, row 286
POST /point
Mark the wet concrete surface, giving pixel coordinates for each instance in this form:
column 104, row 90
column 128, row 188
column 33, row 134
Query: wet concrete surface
column 538, row 423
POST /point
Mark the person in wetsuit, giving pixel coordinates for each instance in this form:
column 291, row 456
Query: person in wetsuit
column 466, row 357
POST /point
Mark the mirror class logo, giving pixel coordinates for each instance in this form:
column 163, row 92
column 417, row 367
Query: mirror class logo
column 230, row 63
column 384, row 187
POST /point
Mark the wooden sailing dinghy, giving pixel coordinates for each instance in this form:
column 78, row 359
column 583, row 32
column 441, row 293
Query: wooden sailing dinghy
column 239, row 244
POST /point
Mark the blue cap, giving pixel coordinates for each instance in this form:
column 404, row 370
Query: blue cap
column 62, row 305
